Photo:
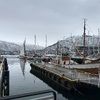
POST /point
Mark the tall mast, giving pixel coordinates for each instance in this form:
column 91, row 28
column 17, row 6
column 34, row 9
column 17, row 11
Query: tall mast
column 24, row 44
column 98, row 40
column 58, row 48
column 84, row 34
column 98, row 32
column 46, row 41
column 88, row 44
column 35, row 43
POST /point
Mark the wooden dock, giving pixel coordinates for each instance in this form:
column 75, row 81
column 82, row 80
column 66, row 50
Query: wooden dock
column 70, row 79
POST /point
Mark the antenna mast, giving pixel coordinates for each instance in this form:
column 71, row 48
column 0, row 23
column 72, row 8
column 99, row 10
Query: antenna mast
column 46, row 41
column 98, row 32
column 98, row 40
column 35, row 42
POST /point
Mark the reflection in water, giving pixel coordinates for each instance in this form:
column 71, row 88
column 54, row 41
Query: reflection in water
column 22, row 65
column 12, row 61
column 5, row 84
column 34, row 82
column 67, row 94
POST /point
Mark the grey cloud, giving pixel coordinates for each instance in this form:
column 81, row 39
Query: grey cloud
column 56, row 18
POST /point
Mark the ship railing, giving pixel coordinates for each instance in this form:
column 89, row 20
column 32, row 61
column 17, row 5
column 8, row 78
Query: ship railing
column 83, row 77
column 39, row 95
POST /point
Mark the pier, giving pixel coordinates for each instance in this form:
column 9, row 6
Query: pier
column 56, row 74
column 69, row 78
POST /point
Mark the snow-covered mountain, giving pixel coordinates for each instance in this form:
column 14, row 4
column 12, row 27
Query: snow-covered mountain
column 30, row 47
column 7, row 46
column 70, row 43
column 60, row 46
column 12, row 47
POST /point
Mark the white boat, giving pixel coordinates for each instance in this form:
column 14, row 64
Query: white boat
column 23, row 51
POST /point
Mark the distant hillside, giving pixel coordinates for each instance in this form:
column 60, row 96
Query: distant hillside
column 61, row 46
column 70, row 43
column 32, row 47
column 7, row 46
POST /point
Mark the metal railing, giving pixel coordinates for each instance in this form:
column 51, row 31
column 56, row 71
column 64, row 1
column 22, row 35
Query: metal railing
column 85, row 77
column 32, row 94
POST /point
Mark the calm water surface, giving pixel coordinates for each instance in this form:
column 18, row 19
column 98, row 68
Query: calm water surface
column 23, row 81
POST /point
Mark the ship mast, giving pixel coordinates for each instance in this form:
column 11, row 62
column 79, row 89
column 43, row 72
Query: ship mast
column 58, row 48
column 98, row 40
column 35, row 44
column 84, row 34
column 46, row 41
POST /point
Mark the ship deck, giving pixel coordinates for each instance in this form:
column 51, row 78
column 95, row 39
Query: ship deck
column 72, row 74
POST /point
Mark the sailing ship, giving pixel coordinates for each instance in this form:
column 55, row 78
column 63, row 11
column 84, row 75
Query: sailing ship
column 83, row 57
column 23, row 51
column 88, row 72
column 86, row 65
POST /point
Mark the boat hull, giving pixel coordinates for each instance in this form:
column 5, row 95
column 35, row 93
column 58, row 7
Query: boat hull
column 23, row 57
column 92, row 92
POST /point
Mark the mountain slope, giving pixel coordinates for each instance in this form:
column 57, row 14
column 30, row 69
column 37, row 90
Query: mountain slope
column 7, row 46
column 72, row 42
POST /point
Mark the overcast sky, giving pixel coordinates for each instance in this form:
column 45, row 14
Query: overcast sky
column 58, row 19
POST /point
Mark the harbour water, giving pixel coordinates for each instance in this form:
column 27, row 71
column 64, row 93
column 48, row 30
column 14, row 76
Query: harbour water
column 22, row 80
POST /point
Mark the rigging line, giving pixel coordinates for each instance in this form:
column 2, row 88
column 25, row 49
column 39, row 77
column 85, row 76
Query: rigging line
column 77, row 49
column 90, row 29
column 77, row 27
